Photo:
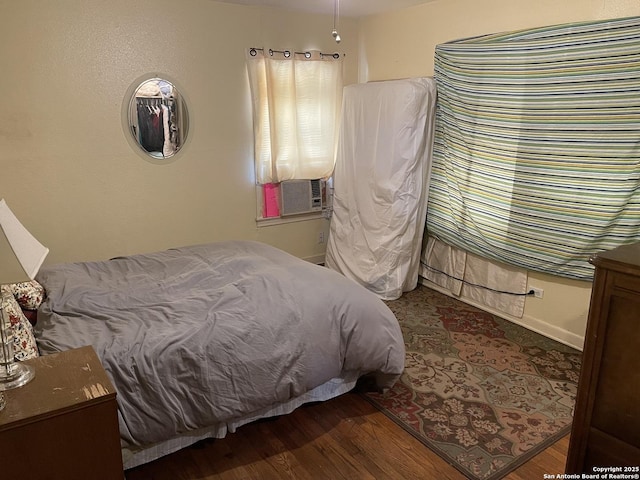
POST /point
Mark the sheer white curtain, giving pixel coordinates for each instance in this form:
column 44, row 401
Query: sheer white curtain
column 296, row 111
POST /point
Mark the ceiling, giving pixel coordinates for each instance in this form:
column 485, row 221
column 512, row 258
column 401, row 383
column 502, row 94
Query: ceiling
column 347, row 8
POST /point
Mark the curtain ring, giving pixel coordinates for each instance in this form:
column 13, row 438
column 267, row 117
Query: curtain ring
column 287, row 54
column 307, row 54
column 271, row 52
column 253, row 52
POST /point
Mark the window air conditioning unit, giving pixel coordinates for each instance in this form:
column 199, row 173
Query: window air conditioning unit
column 301, row 196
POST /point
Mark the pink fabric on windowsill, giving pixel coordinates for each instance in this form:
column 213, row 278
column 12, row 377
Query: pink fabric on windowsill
column 270, row 198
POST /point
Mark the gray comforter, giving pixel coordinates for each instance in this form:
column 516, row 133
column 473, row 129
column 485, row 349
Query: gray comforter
column 199, row 335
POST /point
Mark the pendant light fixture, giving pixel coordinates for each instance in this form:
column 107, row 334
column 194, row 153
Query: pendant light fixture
column 336, row 17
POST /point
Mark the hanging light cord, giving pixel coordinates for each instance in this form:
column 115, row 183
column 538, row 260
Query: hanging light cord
column 336, row 16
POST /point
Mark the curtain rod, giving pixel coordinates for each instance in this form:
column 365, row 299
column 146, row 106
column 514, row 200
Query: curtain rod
column 253, row 51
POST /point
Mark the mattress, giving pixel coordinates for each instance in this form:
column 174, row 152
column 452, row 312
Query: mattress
column 381, row 182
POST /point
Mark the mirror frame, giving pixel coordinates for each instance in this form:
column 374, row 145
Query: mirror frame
column 127, row 106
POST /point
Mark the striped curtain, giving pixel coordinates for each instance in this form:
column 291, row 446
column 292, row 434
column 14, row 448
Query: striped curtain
column 537, row 145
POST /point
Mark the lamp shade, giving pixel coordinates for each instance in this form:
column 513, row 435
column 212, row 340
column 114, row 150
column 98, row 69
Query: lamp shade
column 21, row 255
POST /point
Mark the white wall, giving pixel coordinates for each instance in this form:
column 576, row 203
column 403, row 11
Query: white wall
column 67, row 169
column 401, row 44
column 71, row 176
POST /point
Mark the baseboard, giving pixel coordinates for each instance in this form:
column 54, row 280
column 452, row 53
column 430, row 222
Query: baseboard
column 534, row 324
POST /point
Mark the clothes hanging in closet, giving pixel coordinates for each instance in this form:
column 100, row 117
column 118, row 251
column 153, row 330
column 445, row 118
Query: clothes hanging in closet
column 156, row 128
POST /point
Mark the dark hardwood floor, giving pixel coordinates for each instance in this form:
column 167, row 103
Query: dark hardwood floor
column 344, row 438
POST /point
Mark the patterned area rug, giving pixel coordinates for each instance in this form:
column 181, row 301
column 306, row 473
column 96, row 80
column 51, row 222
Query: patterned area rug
column 484, row 393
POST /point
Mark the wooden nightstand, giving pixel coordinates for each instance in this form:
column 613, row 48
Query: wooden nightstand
column 63, row 424
column 606, row 422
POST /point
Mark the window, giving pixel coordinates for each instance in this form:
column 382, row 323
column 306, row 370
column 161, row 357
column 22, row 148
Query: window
column 296, row 100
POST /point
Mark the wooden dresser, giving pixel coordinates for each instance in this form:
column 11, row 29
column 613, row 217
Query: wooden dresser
column 606, row 424
column 63, row 424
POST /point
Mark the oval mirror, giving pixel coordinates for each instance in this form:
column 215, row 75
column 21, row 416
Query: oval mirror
column 158, row 118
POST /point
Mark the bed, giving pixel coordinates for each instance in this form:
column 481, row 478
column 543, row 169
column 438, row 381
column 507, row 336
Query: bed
column 200, row 340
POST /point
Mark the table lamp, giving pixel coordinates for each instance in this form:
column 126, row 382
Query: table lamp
column 21, row 256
